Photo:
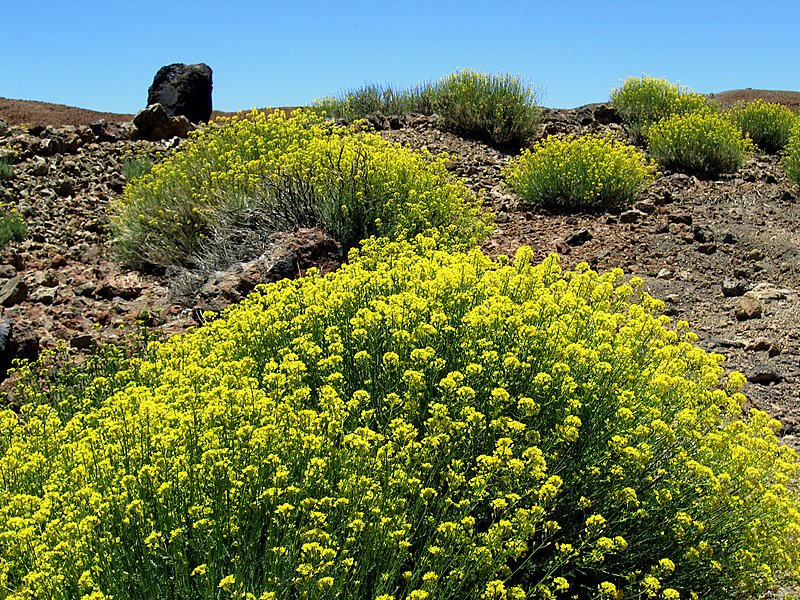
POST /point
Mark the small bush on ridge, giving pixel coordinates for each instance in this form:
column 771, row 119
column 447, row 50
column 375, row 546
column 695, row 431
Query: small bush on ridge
column 500, row 108
column 296, row 171
column 417, row 425
column 374, row 99
column 791, row 159
column 591, row 172
column 767, row 124
column 642, row 101
column 697, row 143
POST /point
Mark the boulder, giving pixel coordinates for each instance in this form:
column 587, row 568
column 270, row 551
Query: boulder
column 183, row 90
column 606, row 115
column 154, row 123
column 16, row 342
column 13, row 291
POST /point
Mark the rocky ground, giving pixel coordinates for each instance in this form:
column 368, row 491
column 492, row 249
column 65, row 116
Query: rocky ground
column 723, row 254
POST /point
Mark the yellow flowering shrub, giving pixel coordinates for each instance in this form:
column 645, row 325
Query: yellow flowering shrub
column 591, row 172
column 289, row 172
column 767, row 124
column 642, row 101
column 418, row 424
column 791, row 158
column 12, row 226
column 701, row 144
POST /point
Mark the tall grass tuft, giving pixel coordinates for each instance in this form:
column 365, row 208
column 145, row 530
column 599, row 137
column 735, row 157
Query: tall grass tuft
column 6, row 169
column 375, row 99
column 500, row 109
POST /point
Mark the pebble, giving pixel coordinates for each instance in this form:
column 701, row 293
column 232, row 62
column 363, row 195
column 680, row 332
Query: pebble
column 631, row 216
column 764, row 375
column 734, row 287
column 14, row 291
column 578, row 238
column 680, row 218
column 748, row 307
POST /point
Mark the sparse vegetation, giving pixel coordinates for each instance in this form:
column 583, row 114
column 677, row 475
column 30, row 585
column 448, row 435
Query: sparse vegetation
column 791, row 159
column 12, row 227
column 642, row 101
column 136, row 167
column 580, row 173
column 767, row 124
column 703, row 144
column 375, row 99
column 291, row 171
column 6, row 169
column 419, row 424
column 501, row 109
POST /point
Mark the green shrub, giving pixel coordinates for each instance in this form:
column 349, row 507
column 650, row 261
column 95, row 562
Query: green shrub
column 416, row 425
column 499, row 108
column 12, row 227
column 296, row 171
column 6, row 170
column 702, row 144
column 580, row 173
column 136, row 167
column 767, row 124
column 791, row 159
column 374, row 99
column 642, row 101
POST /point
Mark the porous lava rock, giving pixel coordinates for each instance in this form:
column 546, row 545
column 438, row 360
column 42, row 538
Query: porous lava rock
column 154, row 123
column 183, row 90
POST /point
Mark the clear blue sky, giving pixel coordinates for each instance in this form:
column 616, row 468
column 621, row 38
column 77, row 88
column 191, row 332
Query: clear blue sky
column 103, row 54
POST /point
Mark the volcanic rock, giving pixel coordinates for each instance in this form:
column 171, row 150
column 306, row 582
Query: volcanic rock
column 183, row 90
column 154, row 123
column 748, row 307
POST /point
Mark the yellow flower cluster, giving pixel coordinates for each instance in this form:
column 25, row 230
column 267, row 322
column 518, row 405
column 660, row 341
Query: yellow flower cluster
column 292, row 171
column 767, row 124
column 642, row 101
column 419, row 424
column 791, row 158
column 705, row 144
column 590, row 172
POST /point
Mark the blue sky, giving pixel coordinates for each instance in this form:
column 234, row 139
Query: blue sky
column 103, row 54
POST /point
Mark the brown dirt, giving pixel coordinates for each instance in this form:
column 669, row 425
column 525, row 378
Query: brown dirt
column 33, row 112
column 787, row 98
